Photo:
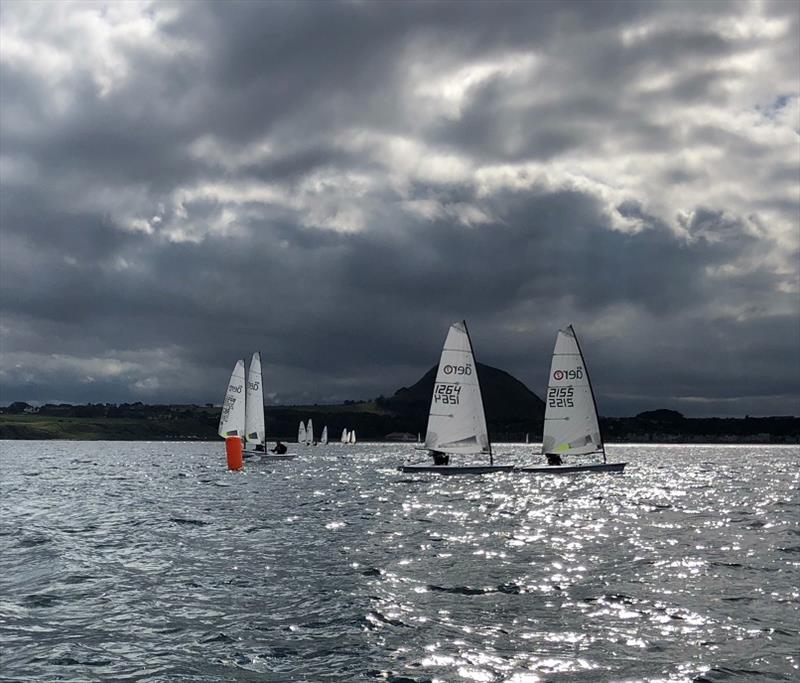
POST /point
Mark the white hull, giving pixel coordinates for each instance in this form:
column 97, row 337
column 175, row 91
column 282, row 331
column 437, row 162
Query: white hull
column 574, row 469
column 454, row 469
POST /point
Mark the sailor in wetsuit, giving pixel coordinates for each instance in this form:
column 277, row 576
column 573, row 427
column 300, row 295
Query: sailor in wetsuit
column 440, row 458
column 279, row 449
column 554, row 459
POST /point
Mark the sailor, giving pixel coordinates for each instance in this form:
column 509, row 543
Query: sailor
column 554, row 459
column 440, row 458
column 280, row 448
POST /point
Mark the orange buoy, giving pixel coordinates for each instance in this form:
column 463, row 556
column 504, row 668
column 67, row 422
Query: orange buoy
column 233, row 448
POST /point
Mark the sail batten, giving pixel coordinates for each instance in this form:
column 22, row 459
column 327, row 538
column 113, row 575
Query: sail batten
column 570, row 423
column 232, row 416
column 462, row 429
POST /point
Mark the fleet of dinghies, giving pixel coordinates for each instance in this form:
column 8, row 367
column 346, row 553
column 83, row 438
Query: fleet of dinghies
column 305, row 434
column 457, row 426
column 457, row 420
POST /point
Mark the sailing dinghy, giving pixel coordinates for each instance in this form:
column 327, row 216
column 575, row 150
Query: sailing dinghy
column 571, row 427
column 345, row 436
column 456, row 421
column 301, row 433
column 255, row 433
column 324, row 438
column 254, row 410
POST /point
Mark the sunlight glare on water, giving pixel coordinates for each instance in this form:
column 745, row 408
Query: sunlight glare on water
column 148, row 561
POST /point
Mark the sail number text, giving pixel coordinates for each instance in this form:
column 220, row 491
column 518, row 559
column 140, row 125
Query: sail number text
column 560, row 397
column 447, row 394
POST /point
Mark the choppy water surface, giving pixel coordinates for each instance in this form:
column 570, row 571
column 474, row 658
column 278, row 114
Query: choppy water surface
column 147, row 561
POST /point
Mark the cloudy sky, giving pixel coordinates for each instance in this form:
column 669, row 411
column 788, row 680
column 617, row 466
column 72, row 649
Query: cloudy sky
column 334, row 183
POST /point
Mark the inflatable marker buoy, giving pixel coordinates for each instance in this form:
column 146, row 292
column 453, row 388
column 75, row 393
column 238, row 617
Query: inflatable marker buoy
column 233, row 448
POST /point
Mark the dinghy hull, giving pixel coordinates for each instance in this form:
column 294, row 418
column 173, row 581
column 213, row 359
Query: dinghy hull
column 453, row 469
column 260, row 455
column 574, row 469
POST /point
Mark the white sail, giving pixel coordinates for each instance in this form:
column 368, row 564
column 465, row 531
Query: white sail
column 456, row 422
column 570, row 418
column 254, row 405
column 352, row 437
column 345, row 436
column 310, row 432
column 301, row 433
column 231, row 421
column 324, row 438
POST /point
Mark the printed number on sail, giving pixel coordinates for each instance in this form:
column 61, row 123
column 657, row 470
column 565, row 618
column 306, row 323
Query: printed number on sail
column 560, row 397
column 447, row 394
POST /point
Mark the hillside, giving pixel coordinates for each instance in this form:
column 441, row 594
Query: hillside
column 510, row 405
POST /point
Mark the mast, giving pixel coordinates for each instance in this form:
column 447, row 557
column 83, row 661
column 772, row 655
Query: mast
column 480, row 392
column 591, row 391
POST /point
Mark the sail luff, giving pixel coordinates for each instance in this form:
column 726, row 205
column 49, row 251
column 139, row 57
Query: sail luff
column 480, row 393
column 591, row 391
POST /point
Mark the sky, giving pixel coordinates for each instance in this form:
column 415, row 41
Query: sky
column 334, row 183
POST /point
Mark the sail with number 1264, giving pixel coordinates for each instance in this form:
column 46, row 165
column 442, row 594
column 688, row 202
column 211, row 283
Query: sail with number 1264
column 456, row 420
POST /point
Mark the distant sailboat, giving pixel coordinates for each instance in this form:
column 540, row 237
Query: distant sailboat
column 232, row 417
column 301, row 433
column 571, row 426
column 324, row 438
column 254, row 409
column 352, row 437
column 310, row 433
column 456, row 421
column 345, row 436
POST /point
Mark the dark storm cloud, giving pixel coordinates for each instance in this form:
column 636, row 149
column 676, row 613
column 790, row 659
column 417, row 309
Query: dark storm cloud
column 333, row 183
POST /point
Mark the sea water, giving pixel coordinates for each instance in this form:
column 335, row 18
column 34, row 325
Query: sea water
column 150, row 562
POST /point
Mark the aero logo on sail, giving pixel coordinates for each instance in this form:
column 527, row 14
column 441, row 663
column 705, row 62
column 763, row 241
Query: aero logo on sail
column 577, row 373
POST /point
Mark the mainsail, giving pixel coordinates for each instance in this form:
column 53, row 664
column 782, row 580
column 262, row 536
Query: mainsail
column 456, row 422
column 352, row 437
column 301, row 433
column 231, row 420
column 570, row 419
column 324, row 438
column 310, row 432
column 345, row 436
column 254, row 405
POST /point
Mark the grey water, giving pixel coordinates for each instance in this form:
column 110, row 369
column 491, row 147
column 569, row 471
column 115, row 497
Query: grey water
column 150, row 562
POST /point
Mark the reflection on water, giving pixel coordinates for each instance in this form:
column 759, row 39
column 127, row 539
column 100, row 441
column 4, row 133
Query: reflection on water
column 145, row 561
